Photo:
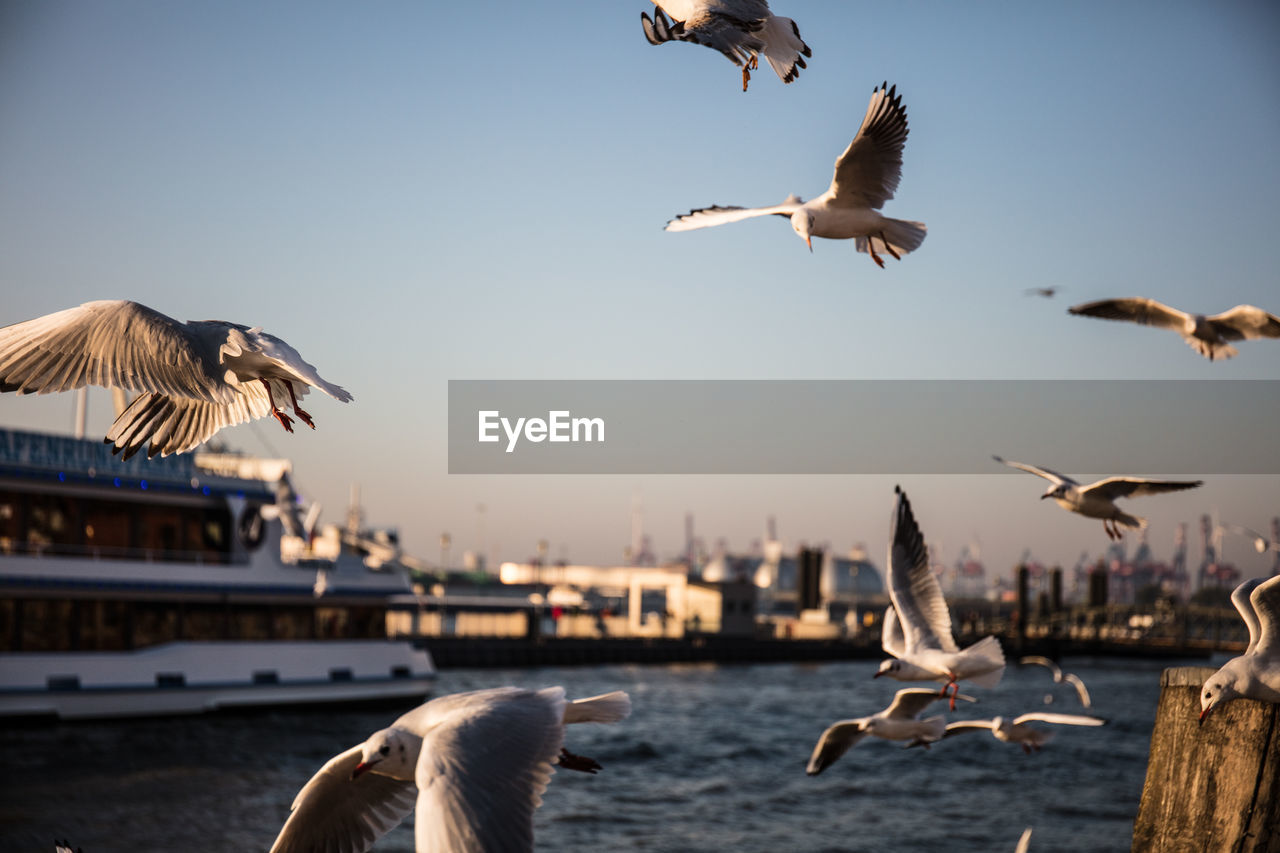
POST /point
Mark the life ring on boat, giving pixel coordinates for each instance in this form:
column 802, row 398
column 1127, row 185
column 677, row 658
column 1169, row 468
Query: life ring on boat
column 251, row 525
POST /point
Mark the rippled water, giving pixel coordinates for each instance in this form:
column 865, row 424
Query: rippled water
column 712, row 759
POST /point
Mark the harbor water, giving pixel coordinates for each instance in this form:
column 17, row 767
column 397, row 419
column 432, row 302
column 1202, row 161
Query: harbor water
column 712, row 759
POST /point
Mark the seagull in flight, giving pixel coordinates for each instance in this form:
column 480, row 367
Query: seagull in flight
column 866, row 176
column 900, row 721
column 1060, row 677
column 740, row 29
column 1017, row 731
column 917, row 627
column 1256, row 673
column 472, row 766
column 1097, row 500
column 1207, row 335
column 194, row 378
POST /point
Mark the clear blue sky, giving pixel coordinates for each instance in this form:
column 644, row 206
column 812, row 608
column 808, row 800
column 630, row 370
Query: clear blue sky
column 416, row 192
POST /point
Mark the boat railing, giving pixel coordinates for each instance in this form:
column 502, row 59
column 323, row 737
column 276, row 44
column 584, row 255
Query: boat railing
column 11, row 547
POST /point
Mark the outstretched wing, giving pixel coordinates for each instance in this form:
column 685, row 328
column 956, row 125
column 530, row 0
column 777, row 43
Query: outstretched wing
column 964, row 727
column 1136, row 487
column 908, row 703
column 891, row 638
column 1078, row 683
column 1060, row 719
column 114, row 344
column 706, row 217
column 868, row 171
column 1043, row 661
column 335, row 812
column 1245, row 322
column 913, row 589
column 835, row 742
column 1134, row 309
column 1240, row 598
column 483, row 769
column 178, row 424
column 1052, row 476
column 1266, row 603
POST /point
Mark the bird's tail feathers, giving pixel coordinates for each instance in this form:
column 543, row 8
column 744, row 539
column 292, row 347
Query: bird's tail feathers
column 607, row 708
column 784, row 48
column 1212, row 351
column 988, row 652
column 900, row 234
column 937, row 728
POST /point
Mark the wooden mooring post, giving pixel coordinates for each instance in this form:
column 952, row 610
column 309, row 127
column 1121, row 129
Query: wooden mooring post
column 1214, row 787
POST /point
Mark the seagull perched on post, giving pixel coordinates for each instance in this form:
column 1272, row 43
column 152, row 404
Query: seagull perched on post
column 1256, row 673
column 740, row 29
column 195, row 378
column 917, row 628
column 866, row 176
column 1097, row 500
column 1207, row 335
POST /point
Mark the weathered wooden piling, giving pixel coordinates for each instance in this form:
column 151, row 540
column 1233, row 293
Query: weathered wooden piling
column 1214, row 787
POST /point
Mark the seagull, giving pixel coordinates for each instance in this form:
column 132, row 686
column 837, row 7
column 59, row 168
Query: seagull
column 917, row 628
column 1059, row 677
column 1017, row 731
column 740, row 29
column 1256, row 673
column 866, row 176
column 1097, row 500
column 475, row 764
column 194, row 378
column 1046, row 292
column 900, row 721
column 1261, row 542
column 1206, row 335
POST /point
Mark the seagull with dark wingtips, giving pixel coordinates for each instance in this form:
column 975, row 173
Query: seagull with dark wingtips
column 1207, row 335
column 1097, row 500
column 193, row 378
column 866, row 176
column 1256, row 673
column 740, row 29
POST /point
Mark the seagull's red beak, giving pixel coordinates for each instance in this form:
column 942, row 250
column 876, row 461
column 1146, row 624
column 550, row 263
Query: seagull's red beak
column 360, row 768
column 808, row 241
column 1204, row 714
column 878, row 674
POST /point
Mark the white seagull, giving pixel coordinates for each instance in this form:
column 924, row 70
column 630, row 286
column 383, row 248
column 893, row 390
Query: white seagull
column 900, row 721
column 1017, row 731
column 1060, row 677
column 1207, row 335
column 474, row 765
column 867, row 176
column 1261, row 542
column 1256, row 673
column 917, row 628
column 194, row 378
column 740, row 29
column 1097, row 500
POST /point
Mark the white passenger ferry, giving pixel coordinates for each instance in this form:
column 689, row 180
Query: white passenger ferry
column 181, row 585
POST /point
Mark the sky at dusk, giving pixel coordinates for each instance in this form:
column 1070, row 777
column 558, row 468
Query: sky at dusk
column 410, row 193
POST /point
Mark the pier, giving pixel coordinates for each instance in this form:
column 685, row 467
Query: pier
column 1211, row 788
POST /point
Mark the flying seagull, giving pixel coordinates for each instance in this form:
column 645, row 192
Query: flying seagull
column 1060, row 677
column 1206, row 335
column 1256, row 673
column 1046, row 292
column 473, row 765
column 866, row 176
column 194, row 378
column 917, row 628
column 1097, row 500
column 900, row 721
column 1017, row 731
column 740, row 29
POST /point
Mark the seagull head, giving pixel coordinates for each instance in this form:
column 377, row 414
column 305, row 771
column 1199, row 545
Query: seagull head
column 802, row 222
column 392, row 751
column 888, row 667
column 1218, row 689
column 1057, row 491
